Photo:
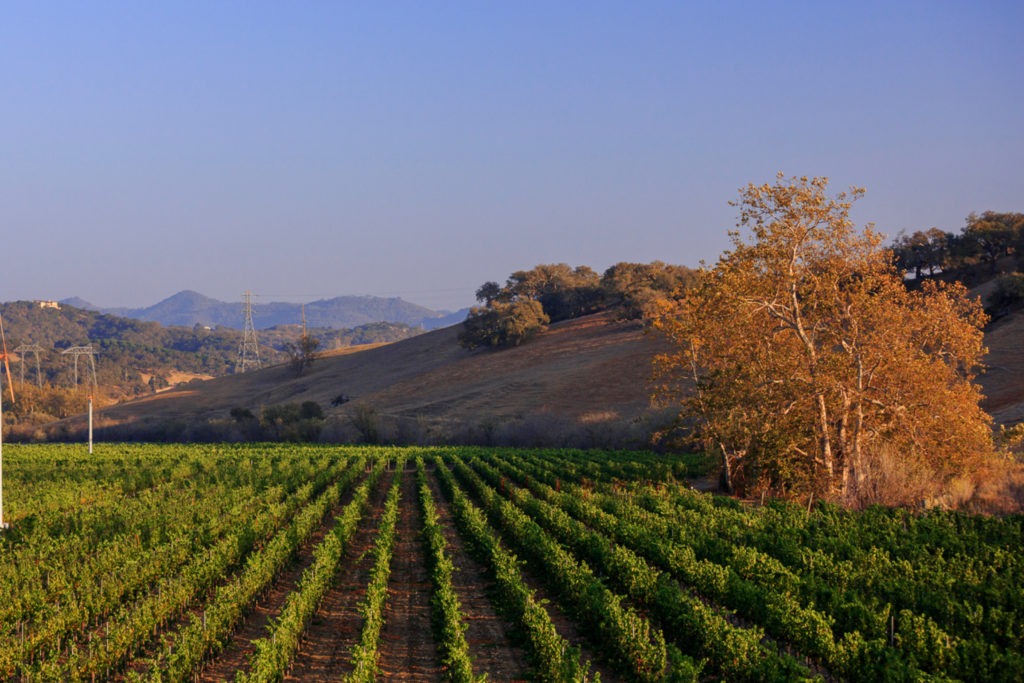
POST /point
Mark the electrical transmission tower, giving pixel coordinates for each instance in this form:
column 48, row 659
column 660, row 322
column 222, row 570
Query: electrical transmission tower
column 77, row 351
column 249, row 351
column 22, row 351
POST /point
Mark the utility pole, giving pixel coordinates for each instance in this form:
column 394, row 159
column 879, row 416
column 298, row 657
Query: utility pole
column 34, row 349
column 77, row 351
column 249, row 351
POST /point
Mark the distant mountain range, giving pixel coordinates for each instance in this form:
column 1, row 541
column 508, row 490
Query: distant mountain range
column 188, row 308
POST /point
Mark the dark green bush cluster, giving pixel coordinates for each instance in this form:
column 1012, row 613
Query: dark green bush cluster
column 1009, row 293
column 502, row 324
column 984, row 240
column 549, row 293
column 292, row 421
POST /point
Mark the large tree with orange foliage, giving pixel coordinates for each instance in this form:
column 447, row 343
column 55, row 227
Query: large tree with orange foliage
column 802, row 360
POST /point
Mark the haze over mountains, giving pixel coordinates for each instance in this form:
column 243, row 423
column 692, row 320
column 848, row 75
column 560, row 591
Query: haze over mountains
column 188, row 308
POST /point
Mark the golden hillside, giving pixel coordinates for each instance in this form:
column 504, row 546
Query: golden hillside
column 584, row 376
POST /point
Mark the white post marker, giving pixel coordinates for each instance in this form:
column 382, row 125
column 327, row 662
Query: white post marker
column 90, row 424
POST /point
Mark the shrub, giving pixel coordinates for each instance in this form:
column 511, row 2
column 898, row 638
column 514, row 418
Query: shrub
column 364, row 419
column 242, row 414
column 292, row 421
column 500, row 325
column 1009, row 293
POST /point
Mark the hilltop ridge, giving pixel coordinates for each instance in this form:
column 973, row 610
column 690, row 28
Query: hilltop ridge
column 188, row 308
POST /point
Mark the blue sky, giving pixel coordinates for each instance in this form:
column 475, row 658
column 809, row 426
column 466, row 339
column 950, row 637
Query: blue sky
column 314, row 149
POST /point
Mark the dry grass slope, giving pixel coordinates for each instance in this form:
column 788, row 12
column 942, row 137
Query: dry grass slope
column 591, row 372
column 1003, row 380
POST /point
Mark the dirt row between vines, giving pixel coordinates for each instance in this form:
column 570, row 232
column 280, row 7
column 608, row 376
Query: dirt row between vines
column 490, row 637
column 564, row 624
column 408, row 650
column 253, row 626
column 236, row 653
column 328, row 641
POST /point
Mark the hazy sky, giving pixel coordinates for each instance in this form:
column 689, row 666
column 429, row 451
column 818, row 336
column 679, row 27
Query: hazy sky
column 417, row 149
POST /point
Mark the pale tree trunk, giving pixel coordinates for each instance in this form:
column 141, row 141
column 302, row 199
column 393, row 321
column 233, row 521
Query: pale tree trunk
column 844, row 461
column 853, row 464
column 824, row 459
column 853, row 474
column 726, row 479
column 857, row 451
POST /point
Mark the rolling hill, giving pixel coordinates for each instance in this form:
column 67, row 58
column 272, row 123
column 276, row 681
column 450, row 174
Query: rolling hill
column 583, row 381
column 1003, row 381
column 134, row 357
column 188, row 308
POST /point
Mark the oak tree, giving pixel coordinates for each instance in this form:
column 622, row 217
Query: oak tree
column 993, row 235
column 634, row 287
column 804, row 360
column 563, row 291
column 302, row 353
column 502, row 325
column 922, row 250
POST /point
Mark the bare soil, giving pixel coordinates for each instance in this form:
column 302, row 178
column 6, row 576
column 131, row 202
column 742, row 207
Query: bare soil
column 408, row 651
column 563, row 623
column 407, row 648
column 567, row 627
column 328, row 642
column 235, row 655
column 490, row 637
